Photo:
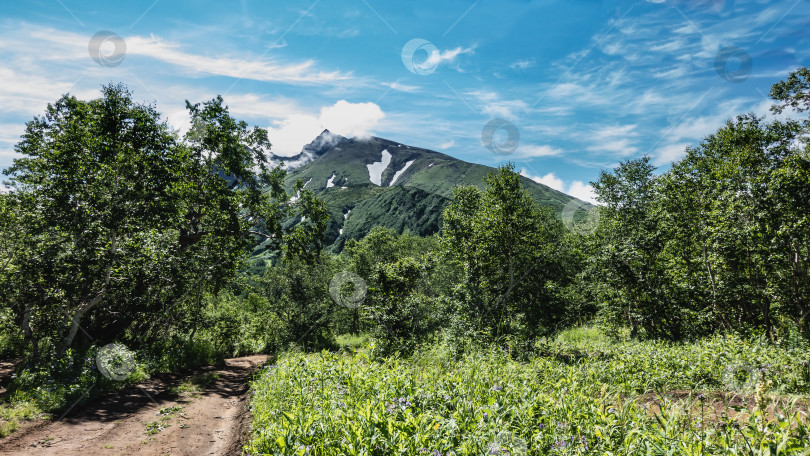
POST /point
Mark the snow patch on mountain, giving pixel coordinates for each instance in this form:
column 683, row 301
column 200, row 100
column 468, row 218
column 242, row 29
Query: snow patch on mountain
column 375, row 170
column 399, row 173
column 298, row 194
column 331, row 182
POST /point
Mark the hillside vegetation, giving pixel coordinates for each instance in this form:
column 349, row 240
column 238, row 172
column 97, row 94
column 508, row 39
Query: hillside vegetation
column 670, row 319
column 338, row 174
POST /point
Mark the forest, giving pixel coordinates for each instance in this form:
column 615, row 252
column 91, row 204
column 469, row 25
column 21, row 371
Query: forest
column 672, row 318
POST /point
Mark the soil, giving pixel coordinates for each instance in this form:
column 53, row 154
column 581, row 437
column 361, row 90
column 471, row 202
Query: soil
column 717, row 406
column 211, row 421
column 6, row 369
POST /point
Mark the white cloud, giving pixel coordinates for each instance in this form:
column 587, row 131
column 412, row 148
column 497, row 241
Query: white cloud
column 582, row 191
column 614, row 139
column 49, row 44
column 438, row 57
column 495, row 106
column 549, row 180
column 670, row 153
column 249, row 67
column 255, row 105
column 537, row 150
column 447, row 145
column 522, row 65
column 401, row 87
column 621, row 146
column 577, row 189
column 293, row 132
column 351, row 119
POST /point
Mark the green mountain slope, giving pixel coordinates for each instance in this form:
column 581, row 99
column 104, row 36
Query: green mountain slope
column 412, row 185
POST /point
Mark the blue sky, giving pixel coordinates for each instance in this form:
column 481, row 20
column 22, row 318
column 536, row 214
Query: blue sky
column 584, row 83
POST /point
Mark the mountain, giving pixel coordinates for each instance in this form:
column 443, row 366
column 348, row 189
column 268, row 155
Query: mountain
column 374, row 181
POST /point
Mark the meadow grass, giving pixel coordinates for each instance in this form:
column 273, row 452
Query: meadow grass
column 578, row 395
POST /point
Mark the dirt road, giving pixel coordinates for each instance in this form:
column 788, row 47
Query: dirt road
column 152, row 419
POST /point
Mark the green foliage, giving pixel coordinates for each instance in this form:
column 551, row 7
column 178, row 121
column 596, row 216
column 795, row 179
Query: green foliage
column 592, row 397
column 401, row 306
column 236, row 325
column 721, row 242
column 794, row 92
column 298, row 297
column 408, row 285
column 511, row 253
column 124, row 224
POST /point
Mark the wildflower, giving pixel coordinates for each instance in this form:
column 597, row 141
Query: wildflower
column 496, row 388
column 486, row 415
column 701, row 397
column 560, row 444
column 436, row 453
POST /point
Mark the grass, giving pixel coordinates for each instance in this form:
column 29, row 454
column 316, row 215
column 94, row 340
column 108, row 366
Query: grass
column 195, row 384
column 352, row 342
column 12, row 414
column 585, row 335
column 583, row 394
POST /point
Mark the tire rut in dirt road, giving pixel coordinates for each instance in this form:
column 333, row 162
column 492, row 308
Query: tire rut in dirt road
column 213, row 421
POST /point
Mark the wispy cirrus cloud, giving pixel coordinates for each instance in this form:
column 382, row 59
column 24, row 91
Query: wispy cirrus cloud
column 249, row 67
column 402, row 87
column 49, row 44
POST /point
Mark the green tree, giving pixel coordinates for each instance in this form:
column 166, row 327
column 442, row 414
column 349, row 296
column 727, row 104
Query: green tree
column 125, row 223
column 401, row 304
column 630, row 244
column 511, row 253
